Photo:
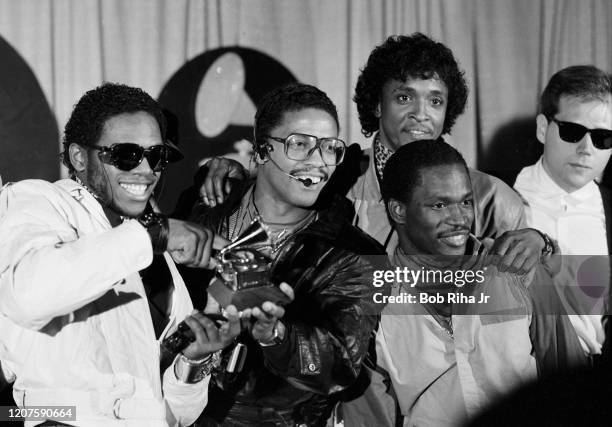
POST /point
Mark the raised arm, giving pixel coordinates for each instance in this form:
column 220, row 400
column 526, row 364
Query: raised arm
column 215, row 180
column 53, row 262
column 47, row 268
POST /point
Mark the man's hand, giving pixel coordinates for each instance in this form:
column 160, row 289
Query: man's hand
column 192, row 244
column 266, row 317
column 209, row 337
column 217, row 183
column 517, row 251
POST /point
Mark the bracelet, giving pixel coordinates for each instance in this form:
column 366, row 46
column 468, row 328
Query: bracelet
column 549, row 246
column 157, row 227
column 276, row 338
column 193, row 371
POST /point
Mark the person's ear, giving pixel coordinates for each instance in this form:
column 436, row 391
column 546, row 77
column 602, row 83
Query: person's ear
column 377, row 112
column 78, row 157
column 397, row 211
column 541, row 127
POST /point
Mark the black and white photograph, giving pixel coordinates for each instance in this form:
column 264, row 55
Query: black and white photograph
column 305, row 213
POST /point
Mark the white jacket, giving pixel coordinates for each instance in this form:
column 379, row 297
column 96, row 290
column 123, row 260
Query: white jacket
column 442, row 379
column 74, row 320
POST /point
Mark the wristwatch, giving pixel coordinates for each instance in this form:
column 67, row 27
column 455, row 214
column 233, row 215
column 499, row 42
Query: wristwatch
column 157, row 227
column 276, row 338
column 549, row 246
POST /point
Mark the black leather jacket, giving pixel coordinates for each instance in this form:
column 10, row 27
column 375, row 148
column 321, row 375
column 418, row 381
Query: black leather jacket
column 329, row 323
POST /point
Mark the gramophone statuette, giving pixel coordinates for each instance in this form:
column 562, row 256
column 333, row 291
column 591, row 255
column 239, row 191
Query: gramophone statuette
column 243, row 273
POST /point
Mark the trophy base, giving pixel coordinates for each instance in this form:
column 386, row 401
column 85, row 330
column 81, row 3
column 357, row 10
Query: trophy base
column 248, row 297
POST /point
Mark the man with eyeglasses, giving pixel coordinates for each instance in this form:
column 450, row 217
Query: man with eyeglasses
column 88, row 288
column 410, row 89
column 293, row 366
column 561, row 193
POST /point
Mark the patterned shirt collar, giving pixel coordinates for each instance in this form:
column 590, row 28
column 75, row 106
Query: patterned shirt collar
column 381, row 155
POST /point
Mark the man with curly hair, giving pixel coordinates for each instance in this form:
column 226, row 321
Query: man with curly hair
column 411, row 88
column 88, row 286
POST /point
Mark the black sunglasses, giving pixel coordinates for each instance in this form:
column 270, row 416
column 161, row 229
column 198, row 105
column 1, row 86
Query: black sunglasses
column 127, row 155
column 573, row 132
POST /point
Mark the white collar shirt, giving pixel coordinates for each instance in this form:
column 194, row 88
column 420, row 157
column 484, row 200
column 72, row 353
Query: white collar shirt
column 577, row 222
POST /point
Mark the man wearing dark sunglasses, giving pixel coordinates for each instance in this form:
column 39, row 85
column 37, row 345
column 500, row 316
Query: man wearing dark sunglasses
column 561, row 192
column 88, row 288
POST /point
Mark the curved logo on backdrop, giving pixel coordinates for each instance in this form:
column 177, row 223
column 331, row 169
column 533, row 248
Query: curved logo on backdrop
column 28, row 130
column 211, row 101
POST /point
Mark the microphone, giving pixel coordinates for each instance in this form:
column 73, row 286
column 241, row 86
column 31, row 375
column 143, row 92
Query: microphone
column 306, row 181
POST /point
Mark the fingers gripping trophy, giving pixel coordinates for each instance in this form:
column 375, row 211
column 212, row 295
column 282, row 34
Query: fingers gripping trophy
column 242, row 280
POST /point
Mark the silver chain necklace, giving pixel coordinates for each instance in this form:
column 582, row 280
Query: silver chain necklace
column 279, row 237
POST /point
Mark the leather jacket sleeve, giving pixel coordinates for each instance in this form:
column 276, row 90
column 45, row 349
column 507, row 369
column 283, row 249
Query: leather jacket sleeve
column 328, row 332
column 498, row 207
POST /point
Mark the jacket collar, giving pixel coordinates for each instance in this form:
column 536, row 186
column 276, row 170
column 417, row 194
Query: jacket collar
column 85, row 199
column 333, row 215
column 476, row 252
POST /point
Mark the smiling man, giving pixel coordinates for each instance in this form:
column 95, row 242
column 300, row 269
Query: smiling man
column 447, row 361
column 411, row 88
column 561, row 192
column 422, row 215
column 317, row 349
column 82, row 313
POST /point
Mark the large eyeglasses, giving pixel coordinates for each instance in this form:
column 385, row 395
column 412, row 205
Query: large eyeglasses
column 126, row 155
column 573, row 132
column 299, row 146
